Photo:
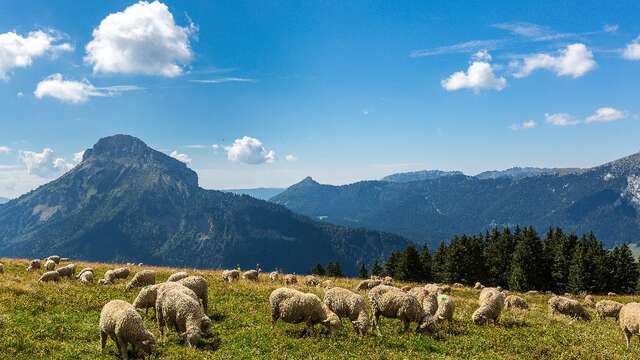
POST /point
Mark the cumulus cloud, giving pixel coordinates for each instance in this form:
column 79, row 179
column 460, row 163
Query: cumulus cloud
column 180, row 157
column 17, row 51
column 530, row 124
column 479, row 76
column 249, row 151
column 561, row 119
column 142, row 39
column 75, row 92
column 632, row 51
column 291, row 157
column 77, row 157
column 44, row 164
column 605, row 114
column 575, row 61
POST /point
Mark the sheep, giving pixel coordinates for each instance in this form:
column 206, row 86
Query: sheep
column 611, row 294
column 54, row 258
column 148, row 295
column 230, row 275
column 274, row 276
column 177, row 276
column 84, row 271
column 86, row 277
column 446, row 308
column 515, row 302
column 104, row 282
column 427, row 299
column 35, row 264
column 588, row 300
column 311, row 280
column 49, row 265
column 393, row 303
column 387, row 280
column 457, row 285
column 368, row 284
column 290, row 279
column 49, row 276
column 200, row 286
column 566, row 306
column 120, row 321
column 608, row 308
column 176, row 309
column 491, row 302
column 438, row 289
column 478, row 286
column 67, row 271
column 294, row 307
column 142, row 278
column 629, row 320
column 119, row 273
column 347, row 304
column 250, row 275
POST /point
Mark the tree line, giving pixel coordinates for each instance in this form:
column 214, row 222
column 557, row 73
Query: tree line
column 518, row 259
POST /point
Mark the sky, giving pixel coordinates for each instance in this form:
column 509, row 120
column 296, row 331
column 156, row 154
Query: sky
column 265, row 93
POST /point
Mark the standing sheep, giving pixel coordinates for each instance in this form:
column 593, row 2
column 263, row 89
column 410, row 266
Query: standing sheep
column 393, row 303
column 120, row 321
column 491, row 302
column 230, row 275
column 49, row 265
column 274, row 276
column 176, row 310
column 387, row 280
column 112, row 275
column 446, row 308
column 250, row 275
column 84, row 271
column 67, row 271
column 200, row 286
column 478, row 286
column 148, row 295
column 35, row 264
column 588, row 300
column 86, row 277
column 608, row 308
column 515, row 302
column 427, row 299
column 368, row 284
column 177, row 276
column 566, row 306
column 54, row 258
column 311, row 280
column 49, row 276
column 290, row 279
column 142, row 278
column 629, row 320
column 294, row 307
column 347, row 304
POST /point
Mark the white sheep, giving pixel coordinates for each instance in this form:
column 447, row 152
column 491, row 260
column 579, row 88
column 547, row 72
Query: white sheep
column 200, row 286
column 142, row 278
column 387, row 280
column 86, row 277
column 84, row 271
column 629, row 320
column 54, row 258
column 49, row 276
column 290, row 279
column 274, row 276
column 446, row 308
column 393, row 303
column 347, row 304
column 148, row 295
column 611, row 294
column 49, row 265
column 67, row 270
column 35, row 264
column 112, row 275
column 515, row 302
column 104, row 282
column 250, row 275
column 368, row 284
column 230, row 275
column 491, row 302
column 120, row 321
column 608, row 308
column 427, row 299
column 478, row 286
column 175, row 309
column 311, row 280
column 457, row 285
column 177, row 276
column 566, row 306
column 589, row 301
column 294, row 307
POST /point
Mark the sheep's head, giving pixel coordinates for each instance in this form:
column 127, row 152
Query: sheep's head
column 193, row 337
column 427, row 324
column 478, row 318
column 147, row 346
column 205, row 326
column 146, row 297
column 362, row 322
column 331, row 321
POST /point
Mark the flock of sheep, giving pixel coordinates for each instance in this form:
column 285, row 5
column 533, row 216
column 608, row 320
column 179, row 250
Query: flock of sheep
column 181, row 303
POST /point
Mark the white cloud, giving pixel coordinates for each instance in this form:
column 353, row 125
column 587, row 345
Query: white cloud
column 529, row 124
column 482, row 55
column 223, row 80
column 464, row 47
column 142, row 39
column 525, row 29
column 610, row 28
column 561, row 119
column 479, row 76
column 632, row 51
column 44, row 164
column 605, row 114
column 17, row 51
column 291, row 157
column 249, row 151
column 180, row 157
column 4, row 150
column 19, row 94
column 77, row 157
column 575, row 61
column 75, row 92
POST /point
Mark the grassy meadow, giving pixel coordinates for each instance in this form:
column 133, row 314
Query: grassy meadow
column 60, row 321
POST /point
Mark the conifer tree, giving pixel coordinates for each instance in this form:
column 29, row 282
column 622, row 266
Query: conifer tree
column 425, row 260
column 376, row 269
column 438, row 263
column 527, row 265
column 392, row 263
column 410, row 267
column 363, row 273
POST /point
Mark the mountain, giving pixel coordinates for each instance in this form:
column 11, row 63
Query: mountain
column 523, row 172
column 3, row 200
column 604, row 199
column 258, row 193
column 419, row 175
column 126, row 202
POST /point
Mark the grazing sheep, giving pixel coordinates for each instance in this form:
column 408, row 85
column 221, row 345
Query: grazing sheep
column 611, row 294
column 393, row 303
column 478, row 286
column 437, row 289
column 35, row 264
column 290, row 279
column 274, row 276
column 200, row 286
column 457, row 285
column 446, row 308
column 119, row 273
column 491, row 302
column 142, row 278
column 427, row 299
column 230, row 275
column 515, row 302
column 49, row 265
column 311, row 280
column 104, row 282
column 588, row 300
column 250, row 275
column 368, row 284
column 148, row 295
column 566, row 306
column 86, row 277
column 84, row 271
column 177, row 276
column 629, row 320
column 387, row 280
column 608, row 308
column 67, row 271
column 294, row 307
column 54, row 258
column 49, row 276
column 347, row 304
column 120, row 321
column 175, row 309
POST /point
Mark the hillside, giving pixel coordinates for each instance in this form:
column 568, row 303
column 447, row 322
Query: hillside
column 419, row 175
column 127, row 202
column 258, row 193
column 604, row 199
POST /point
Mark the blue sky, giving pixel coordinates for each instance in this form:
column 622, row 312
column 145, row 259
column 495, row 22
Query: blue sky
column 257, row 93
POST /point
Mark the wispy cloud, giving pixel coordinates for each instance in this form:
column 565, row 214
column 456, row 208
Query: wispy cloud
column 223, row 80
column 460, row 48
column 527, row 125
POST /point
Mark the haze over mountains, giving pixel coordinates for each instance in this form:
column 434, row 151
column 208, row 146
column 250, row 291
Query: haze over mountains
column 3, row 200
column 127, row 202
column 427, row 208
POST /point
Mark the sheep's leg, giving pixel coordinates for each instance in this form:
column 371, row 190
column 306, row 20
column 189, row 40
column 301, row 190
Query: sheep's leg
column 627, row 337
column 205, row 303
column 376, row 321
column 275, row 315
column 103, row 340
column 122, row 345
column 160, row 321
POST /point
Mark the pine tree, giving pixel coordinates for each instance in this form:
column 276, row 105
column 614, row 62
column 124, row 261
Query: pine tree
column 498, row 252
column 331, row 268
column 337, row 272
column 623, row 270
column 425, row 260
column 391, row 265
column 363, row 273
column 438, row 263
column 409, row 266
column 527, row 265
column 318, row 270
column 376, row 269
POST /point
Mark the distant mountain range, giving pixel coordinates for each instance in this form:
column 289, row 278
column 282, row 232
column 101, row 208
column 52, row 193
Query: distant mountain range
column 126, row 202
column 258, row 193
column 605, row 199
column 513, row 173
column 420, row 175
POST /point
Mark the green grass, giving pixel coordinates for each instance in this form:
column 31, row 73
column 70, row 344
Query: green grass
column 60, row 321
